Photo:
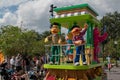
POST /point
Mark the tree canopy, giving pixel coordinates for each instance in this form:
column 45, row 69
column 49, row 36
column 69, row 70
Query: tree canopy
column 14, row 40
column 112, row 23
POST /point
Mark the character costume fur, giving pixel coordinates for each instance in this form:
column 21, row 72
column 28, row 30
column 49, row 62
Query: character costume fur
column 97, row 40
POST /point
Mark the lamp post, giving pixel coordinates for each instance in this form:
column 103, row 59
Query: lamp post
column 115, row 42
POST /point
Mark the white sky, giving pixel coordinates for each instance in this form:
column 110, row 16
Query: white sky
column 35, row 13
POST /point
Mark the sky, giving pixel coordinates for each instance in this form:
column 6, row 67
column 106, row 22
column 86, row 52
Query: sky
column 34, row 14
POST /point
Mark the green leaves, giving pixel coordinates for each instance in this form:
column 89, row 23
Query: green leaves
column 112, row 23
column 15, row 40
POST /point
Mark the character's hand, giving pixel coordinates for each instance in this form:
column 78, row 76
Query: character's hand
column 59, row 41
column 46, row 40
column 79, row 42
column 85, row 25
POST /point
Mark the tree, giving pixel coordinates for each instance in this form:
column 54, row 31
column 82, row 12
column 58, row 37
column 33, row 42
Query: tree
column 15, row 40
column 112, row 22
column 9, row 37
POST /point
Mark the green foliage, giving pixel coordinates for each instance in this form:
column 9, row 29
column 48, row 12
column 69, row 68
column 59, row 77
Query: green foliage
column 112, row 22
column 14, row 40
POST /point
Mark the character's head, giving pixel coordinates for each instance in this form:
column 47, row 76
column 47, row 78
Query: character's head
column 54, row 29
column 75, row 30
column 96, row 31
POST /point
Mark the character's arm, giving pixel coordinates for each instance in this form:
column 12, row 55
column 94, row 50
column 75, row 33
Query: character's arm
column 59, row 39
column 102, row 37
column 69, row 42
column 77, row 42
column 84, row 29
column 46, row 39
column 85, row 25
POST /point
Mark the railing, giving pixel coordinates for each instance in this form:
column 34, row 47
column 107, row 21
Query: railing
column 65, row 57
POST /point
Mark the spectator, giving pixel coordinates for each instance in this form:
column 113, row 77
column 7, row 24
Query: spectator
column 12, row 62
column 18, row 60
column 109, row 62
column 27, row 63
column 38, row 64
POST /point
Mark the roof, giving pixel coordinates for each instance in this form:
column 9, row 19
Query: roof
column 66, row 8
column 80, row 19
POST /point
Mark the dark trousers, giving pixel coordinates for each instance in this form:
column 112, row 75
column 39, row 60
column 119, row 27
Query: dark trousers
column 55, row 54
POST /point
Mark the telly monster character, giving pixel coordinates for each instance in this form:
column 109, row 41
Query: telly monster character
column 97, row 38
column 78, row 40
column 56, row 39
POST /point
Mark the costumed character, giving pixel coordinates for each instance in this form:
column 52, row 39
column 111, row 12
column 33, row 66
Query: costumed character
column 69, row 50
column 56, row 39
column 79, row 42
column 97, row 40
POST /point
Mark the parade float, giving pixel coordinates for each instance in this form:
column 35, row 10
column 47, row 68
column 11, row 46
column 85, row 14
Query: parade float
column 67, row 17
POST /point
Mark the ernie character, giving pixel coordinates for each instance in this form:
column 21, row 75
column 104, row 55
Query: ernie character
column 79, row 42
column 97, row 38
column 56, row 39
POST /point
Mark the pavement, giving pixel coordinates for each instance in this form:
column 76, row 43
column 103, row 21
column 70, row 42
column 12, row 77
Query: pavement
column 113, row 74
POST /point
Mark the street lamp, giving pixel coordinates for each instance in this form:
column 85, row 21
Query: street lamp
column 115, row 42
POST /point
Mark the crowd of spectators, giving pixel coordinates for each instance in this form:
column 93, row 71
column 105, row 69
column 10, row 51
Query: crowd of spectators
column 24, row 67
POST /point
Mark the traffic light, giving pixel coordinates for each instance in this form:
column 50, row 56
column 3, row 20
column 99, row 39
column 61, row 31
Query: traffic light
column 51, row 9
